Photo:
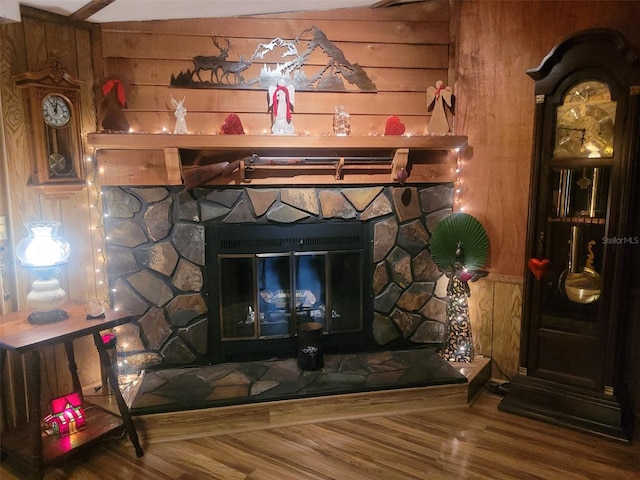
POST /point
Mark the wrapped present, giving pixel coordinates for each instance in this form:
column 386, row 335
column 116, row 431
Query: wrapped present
column 67, row 415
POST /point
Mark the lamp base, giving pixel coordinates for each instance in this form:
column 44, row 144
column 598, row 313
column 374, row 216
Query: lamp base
column 40, row 318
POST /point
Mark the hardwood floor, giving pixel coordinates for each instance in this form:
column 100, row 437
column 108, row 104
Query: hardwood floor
column 478, row 442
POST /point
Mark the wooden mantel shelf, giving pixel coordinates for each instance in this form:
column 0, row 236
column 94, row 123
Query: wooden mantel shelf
column 137, row 141
column 193, row 160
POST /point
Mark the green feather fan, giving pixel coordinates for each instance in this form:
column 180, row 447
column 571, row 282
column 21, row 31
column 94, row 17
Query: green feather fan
column 464, row 231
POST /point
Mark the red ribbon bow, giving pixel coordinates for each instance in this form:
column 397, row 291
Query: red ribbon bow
column 107, row 87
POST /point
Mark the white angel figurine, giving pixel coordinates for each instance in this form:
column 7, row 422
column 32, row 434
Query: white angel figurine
column 437, row 98
column 341, row 122
column 180, row 114
column 281, row 102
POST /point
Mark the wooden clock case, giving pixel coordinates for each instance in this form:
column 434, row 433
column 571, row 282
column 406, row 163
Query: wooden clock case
column 45, row 139
column 575, row 358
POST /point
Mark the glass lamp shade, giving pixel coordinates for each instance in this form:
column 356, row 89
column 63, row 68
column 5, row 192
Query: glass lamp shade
column 43, row 247
column 43, row 250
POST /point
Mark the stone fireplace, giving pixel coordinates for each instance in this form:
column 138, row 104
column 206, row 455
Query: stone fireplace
column 159, row 267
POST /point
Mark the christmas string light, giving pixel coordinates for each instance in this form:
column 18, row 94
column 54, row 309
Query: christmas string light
column 457, row 184
column 97, row 228
column 99, row 239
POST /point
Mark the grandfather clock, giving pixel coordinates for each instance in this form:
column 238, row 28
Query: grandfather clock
column 582, row 239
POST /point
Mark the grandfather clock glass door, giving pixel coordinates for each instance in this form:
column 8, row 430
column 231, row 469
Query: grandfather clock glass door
column 577, row 184
column 581, row 215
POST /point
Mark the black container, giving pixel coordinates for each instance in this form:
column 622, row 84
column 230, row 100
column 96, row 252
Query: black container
column 310, row 355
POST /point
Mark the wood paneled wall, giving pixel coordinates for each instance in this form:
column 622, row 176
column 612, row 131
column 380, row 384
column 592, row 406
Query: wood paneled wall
column 482, row 48
column 498, row 41
column 495, row 309
column 33, row 45
column 403, row 50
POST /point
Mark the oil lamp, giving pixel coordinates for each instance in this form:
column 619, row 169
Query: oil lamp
column 44, row 251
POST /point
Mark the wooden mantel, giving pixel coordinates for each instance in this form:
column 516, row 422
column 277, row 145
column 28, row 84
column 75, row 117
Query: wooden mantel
column 193, row 160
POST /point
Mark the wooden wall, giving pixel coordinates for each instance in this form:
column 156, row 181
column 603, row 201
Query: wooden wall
column 497, row 42
column 32, row 45
column 402, row 50
column 482, row 48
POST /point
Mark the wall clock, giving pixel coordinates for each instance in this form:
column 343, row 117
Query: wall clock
column 52, row 114
column 574, row 356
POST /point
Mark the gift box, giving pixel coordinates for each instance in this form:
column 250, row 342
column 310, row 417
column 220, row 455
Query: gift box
column 67, row 415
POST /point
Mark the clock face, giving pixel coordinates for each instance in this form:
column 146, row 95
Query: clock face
column 56, row 111
column 585, row 123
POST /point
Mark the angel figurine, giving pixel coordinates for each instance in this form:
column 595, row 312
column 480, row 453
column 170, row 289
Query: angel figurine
column 180, row 114
column 438, row 98
column 281, row 101
column 341, row 123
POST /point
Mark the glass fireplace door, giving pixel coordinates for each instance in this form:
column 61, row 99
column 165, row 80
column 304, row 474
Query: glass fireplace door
column 274, row 295
column 280, row 275
column 237, row 296
column 268, row 295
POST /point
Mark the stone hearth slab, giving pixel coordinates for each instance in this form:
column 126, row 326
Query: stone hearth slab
column 227, row 384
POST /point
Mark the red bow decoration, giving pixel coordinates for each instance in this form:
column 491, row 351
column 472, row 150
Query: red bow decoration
column 117, row 84
column 538, row 267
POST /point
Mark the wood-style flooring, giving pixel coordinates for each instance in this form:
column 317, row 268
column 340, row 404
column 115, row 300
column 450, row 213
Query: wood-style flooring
column 478, row 442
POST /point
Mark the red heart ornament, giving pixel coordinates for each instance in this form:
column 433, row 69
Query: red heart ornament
column 232, row 125
column 394, row 126
column 465, row 276
column 538, row 267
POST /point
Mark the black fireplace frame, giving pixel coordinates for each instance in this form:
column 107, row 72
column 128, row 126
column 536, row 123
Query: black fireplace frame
column 282, row 238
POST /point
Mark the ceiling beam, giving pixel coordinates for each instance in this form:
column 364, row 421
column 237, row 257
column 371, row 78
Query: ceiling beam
column 393, row 3
column 91, row 8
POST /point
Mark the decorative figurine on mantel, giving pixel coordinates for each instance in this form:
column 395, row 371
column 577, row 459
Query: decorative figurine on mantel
column 281, row 102
column 341, row 122
column 180, row 114
column 438, row 99
column 112, row 107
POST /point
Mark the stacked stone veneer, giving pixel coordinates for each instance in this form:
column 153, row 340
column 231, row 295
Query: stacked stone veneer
column 155, row 250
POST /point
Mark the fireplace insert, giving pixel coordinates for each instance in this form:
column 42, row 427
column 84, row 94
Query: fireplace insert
column 263, row 281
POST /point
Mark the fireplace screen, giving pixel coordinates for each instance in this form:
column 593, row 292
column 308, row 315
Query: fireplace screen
column 268, row 279
column 267, row 295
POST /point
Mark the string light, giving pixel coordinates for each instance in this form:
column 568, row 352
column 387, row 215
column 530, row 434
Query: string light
column 97, row 227
column 457, row 184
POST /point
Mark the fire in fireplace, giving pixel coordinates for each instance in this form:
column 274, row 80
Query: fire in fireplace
column 268, row 279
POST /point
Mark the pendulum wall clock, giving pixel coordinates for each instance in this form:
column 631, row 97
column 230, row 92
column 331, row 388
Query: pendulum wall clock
column 52, row 115
column 583, row 225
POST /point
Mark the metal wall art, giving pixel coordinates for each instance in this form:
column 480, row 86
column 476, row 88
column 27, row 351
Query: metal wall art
column 218, row 71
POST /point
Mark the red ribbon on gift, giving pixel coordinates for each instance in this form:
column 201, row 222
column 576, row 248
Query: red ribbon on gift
column 117, row 84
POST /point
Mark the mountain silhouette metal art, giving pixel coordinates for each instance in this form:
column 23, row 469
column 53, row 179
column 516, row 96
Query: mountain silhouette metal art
column 265, row 67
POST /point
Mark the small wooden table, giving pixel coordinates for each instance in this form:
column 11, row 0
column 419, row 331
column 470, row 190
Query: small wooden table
column 29, row 446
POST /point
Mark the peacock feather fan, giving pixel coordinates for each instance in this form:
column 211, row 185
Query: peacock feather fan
column 459, row 238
